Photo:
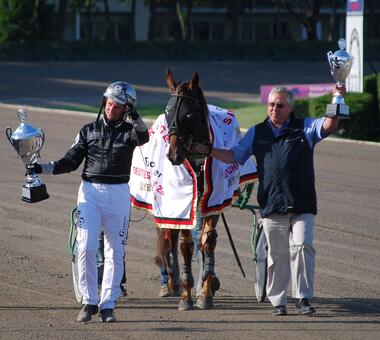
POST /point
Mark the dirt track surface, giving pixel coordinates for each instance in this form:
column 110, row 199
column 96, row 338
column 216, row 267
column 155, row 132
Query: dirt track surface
column 36, row 293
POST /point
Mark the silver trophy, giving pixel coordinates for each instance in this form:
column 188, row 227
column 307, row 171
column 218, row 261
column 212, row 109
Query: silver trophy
column 28, row 141
column 340, row 67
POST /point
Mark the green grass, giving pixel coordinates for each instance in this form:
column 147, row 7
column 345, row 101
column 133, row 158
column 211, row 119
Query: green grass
column 247, row 113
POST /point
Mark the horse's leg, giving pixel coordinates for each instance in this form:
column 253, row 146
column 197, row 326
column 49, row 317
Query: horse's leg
column 207, row 248
column 196, row 232
column 162, row 259
column 173, row 266
column 187, row 249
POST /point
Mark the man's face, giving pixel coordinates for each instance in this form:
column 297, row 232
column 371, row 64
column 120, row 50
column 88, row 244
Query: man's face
column 114, row 110
column 278, row 109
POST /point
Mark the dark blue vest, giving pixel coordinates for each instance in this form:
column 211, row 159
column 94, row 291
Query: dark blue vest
column 285, row 170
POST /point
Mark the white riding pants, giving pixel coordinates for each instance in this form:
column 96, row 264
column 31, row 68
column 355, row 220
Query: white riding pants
column 291, row 255
column 104, row 206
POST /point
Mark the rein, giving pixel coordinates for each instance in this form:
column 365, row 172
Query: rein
column 175, row 126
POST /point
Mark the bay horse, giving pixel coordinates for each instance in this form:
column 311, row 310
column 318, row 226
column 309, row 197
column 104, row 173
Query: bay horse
column 187, row 119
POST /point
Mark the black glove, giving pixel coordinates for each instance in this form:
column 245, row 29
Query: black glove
column 133, row 114
column 34, row 168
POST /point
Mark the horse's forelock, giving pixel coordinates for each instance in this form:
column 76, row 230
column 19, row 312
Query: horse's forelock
column 185, row 131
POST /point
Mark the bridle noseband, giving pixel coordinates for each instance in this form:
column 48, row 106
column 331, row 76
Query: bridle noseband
column 175, row 127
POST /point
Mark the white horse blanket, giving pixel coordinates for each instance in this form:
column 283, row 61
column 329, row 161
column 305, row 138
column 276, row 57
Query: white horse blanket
column 169, row 191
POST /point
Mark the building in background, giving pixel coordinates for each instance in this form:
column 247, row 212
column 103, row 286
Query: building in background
column 221, row 21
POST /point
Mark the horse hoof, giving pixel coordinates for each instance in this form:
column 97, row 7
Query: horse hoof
column 205, row 302
column 185, row 304
column 176, row 291
column 215, row 285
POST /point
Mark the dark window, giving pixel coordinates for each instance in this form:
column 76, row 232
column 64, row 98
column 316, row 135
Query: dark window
column 263, row 30
column 217, row 31
column 124, row 29
column 201, row 31
column 247, row 31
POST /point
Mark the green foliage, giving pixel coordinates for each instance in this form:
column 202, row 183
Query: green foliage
column 363, row 123
column 317, row 106
column 370, row 84
column 18, row 20
column 372, row 50
column 301, row 108
column 378, row 92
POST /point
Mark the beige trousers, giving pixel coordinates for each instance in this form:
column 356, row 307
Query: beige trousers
column 291, row 255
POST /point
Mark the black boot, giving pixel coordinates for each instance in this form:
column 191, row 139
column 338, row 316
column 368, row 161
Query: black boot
column 87, row 312
column 304, row 307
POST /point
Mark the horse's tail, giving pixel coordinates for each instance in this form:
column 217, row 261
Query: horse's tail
column 162, row 247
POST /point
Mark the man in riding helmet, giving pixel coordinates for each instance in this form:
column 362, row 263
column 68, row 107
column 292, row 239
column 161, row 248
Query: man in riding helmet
column 107, row 146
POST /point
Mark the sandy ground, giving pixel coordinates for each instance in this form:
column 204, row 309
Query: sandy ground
column 36, row 295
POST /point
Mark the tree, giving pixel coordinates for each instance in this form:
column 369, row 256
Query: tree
column 234, row 10
column 152, row 20
column 189, row 19
column 18, row 20
column 61, row 21
column 181, row 21
column 109, row 32
column 131, row 18
column 306, row 12
column 87, row 6
column 335, row 4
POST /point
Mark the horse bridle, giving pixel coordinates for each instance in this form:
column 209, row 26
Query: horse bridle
column 174, row 127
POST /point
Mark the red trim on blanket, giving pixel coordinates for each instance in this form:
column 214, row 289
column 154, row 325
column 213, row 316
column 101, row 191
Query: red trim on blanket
column 140, row 204
column 248, row 177
column 217, row 208
column 168, row 220
column 174, row 221
column 209, row 188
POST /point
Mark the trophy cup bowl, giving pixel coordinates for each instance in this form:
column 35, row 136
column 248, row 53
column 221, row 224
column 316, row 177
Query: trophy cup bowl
column 340, row 66
column 28, row 142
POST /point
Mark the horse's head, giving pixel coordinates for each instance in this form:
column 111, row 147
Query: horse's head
column 187, row 118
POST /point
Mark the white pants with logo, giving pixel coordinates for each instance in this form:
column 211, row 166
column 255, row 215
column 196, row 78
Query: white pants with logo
column 104, row 206
column 291, row 255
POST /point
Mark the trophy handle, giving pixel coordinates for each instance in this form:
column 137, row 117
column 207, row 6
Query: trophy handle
column 8, row 132
column 329, row 57
column 42, row 133
column 42, row 137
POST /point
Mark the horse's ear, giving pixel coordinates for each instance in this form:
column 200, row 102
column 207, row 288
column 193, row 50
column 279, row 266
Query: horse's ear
column 170, row 80
column 194, row 82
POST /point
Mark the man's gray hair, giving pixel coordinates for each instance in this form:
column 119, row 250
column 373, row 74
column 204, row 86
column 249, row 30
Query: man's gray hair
column 283, row 90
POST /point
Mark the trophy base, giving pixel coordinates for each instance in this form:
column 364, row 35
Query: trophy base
column 34, row 194
column 340, row 111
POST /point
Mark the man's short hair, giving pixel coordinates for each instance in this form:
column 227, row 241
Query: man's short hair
column 283, row 90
